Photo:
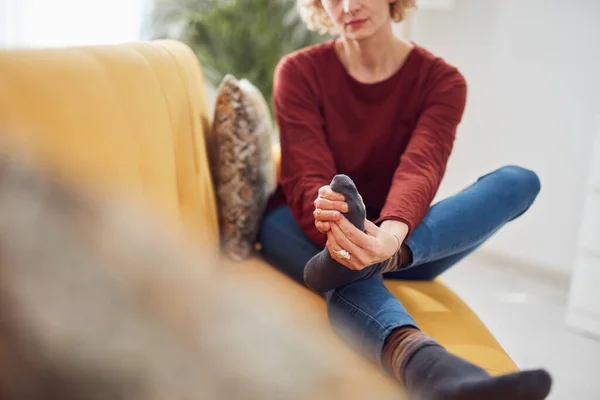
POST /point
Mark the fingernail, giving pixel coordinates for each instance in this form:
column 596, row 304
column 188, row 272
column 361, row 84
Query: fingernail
column 345, row 207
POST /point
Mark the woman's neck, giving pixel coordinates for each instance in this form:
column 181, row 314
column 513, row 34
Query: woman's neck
column 373, row 59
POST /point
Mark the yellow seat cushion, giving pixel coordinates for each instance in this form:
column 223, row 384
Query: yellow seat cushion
column 444, row 316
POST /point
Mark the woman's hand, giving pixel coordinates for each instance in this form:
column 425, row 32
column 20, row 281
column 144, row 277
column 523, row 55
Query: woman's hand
column 328, row 208
column 374, row 246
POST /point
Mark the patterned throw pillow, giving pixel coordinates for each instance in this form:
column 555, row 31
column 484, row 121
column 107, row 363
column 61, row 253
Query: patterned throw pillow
column 243, row 169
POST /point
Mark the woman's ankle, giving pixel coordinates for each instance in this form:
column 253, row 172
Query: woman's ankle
column 405, row 256
column 427, row 370
column 399, row 347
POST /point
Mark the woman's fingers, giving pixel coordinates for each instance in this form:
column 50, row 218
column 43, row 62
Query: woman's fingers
column 322, row 226
column 355, row 235
column 333, row 247
column 327, row 193
column 328, row 208
column 326, row 215
column 357, row 255
column 325, row 204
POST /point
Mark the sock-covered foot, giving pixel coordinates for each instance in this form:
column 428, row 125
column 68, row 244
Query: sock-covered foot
column 322, row 272
column 429, row 372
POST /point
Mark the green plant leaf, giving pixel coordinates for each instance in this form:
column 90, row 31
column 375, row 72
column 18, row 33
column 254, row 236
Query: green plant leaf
column 245, row 38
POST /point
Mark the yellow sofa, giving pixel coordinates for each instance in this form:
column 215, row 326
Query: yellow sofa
column 132, row 119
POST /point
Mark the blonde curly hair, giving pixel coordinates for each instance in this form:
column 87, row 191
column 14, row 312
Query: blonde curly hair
column 316, row 18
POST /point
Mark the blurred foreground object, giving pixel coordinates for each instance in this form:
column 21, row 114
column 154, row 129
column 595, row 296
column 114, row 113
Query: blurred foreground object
column 98, row 302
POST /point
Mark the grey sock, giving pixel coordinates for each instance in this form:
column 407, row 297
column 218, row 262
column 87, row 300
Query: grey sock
column 433, row 373
column 322, row 272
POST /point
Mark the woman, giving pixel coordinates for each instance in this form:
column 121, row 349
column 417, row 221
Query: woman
column 384, row 112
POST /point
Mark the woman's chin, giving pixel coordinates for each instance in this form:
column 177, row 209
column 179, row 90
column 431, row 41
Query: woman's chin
column 359, row 35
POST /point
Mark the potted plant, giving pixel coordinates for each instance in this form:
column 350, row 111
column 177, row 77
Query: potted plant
column 244, row 38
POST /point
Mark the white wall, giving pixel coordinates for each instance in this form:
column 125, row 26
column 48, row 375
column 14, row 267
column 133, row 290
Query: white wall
column 3, row 21
column 59, row 23
column 533, row 69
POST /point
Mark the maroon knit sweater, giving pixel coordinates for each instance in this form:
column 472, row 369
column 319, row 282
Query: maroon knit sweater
column 393, row 138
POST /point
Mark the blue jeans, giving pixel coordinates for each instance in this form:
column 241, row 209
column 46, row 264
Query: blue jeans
column 365, row 312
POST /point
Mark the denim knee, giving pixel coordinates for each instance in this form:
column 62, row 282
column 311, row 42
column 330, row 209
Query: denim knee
column 521, row 184
column 521, row 177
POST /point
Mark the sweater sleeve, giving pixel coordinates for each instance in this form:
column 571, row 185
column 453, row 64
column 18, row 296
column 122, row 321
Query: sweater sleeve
column 306, row 160
column 423, row 164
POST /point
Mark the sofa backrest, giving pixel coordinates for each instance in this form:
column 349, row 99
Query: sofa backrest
column 129, row 119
